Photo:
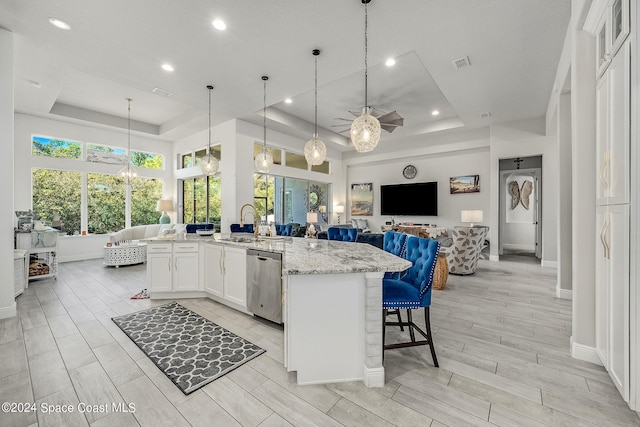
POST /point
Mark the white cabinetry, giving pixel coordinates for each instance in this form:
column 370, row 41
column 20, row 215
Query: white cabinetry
column 613, row 168
column 42, row 252
column 612, row 293
column 225, row 273
column 172, row 267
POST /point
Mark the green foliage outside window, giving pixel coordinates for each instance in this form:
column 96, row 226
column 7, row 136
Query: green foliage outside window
column 146, row 160
column 263, row 192
column 145, row 194
column 50, row 147
column 194, row 193
column 57, row 192
column 105, row 203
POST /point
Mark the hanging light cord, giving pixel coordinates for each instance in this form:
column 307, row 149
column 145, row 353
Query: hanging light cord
column 129, row 138
column 209, row 145
column 264, row 116
column 316, row 95
column 366, row 43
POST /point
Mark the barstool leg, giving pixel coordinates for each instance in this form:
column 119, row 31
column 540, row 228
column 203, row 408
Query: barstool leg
column 400, row 320
column 384, row 330
column 412, row 334
column 427, row 323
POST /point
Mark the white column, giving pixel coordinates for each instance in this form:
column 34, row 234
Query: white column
column 7, row 216
column 373, row 369
column 563, row 289
column 583, row 182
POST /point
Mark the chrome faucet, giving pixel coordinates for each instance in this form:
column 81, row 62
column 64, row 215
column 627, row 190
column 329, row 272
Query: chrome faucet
column 255, row 217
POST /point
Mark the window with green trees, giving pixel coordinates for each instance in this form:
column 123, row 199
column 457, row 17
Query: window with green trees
column 195, row 192
column 145, row 193
column 51, row 147
column 57, row 192
column 105, row 203
column 146, row 160
column 263, row 195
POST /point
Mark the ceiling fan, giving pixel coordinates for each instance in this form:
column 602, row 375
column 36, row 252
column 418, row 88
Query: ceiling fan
column 388, row 121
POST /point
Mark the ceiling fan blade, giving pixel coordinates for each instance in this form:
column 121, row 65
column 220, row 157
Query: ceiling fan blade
column 340, row 118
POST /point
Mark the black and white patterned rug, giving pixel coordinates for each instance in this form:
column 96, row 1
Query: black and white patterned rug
column 191, row 351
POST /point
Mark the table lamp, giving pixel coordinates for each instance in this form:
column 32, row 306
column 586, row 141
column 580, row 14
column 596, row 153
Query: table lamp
column 312, row 217
column 471, row 216
column 164, row 206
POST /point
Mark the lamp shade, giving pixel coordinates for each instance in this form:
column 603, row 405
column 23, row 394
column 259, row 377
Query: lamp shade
column 471, row 216
column 164, row 206
column 339, row 209
column 312, row 217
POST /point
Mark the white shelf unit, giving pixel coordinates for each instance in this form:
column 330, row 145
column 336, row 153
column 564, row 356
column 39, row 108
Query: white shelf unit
column 42, row 248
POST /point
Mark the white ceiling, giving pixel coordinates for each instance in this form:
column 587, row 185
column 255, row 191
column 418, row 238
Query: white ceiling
column 115, row 48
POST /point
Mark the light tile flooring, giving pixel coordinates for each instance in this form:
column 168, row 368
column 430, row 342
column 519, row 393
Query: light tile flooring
column 501, row 339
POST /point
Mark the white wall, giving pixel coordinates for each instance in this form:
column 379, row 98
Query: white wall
column 7, row 302
column 526, row 138
column 465, row 154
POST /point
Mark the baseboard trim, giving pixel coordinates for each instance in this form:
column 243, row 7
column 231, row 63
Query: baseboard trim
column 8, row 311
column 374, row 377
column 549, row 264
column 564, row 293
column 518, row 247
column 585, row 352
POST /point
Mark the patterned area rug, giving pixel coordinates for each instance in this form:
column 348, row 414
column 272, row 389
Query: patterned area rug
column 191, row 350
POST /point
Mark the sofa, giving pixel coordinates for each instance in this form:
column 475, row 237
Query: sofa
column 143, row 232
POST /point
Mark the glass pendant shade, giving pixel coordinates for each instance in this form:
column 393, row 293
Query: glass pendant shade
column 315, row 151
column 365, row 132
column 264, row 161
column 209, row 164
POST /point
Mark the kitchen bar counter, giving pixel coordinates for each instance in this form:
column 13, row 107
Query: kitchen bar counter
column 332, row 304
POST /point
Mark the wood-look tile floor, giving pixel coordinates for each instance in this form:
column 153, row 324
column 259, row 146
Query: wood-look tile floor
column 502, row 340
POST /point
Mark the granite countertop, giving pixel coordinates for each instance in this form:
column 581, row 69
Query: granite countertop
column 314, row 256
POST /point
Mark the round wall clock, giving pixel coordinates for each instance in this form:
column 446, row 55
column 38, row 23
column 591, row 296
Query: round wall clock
column 409, row 172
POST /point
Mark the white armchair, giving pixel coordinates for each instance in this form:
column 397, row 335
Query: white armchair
column 467, row 245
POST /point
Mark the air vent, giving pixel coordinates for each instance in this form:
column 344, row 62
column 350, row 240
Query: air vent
column 486, row 115
column 461, row 63
column 162, row 92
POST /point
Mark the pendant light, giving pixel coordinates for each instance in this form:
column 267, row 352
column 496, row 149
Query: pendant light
column 365, row 130
column 209, row 164
column 128, row 172
column 264, row 159
column 314, row 150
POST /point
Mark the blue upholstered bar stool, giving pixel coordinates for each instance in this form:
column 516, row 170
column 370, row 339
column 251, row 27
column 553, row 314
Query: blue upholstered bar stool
column 394, row 243
column 413, row 291
column 283, row 229
column 342, row 233
column 236, row 228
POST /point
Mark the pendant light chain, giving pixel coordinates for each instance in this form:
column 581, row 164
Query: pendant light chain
column 316, row 95
column 209, row 145
column 129, row 140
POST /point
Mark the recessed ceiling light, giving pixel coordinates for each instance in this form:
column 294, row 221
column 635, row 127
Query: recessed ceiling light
column 219, row 24
column 390, row 62
column 435, row 112
column 288, row 100
column 167, row 67
column 60, row 24
column 34, row 83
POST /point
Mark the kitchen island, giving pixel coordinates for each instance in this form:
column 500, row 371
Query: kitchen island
column 331, row 293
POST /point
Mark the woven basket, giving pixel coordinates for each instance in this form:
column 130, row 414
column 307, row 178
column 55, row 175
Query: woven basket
column 441, row 272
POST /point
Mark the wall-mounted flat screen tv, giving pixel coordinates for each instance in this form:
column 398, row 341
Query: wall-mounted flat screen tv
column 409, row 199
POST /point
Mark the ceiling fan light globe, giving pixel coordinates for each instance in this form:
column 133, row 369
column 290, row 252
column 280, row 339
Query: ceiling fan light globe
column 315, row 151
column 365, row 133
column 209, row 165
column 264, row 161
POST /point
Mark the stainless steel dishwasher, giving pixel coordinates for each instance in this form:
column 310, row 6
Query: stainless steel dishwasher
column 264, row 284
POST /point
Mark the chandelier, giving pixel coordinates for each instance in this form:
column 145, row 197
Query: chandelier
column 365, row 130
column 314, row 150
column 264, row 159
column 209, row 164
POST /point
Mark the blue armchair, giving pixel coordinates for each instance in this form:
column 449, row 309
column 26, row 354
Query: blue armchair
column 413, row 291
column 342, row 234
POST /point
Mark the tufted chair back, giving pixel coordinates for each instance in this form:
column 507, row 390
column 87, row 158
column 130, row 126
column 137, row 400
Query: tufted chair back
column 394, row 243
column 423, row 254
column 342, row 233
column 284, row 229
column 236, row 228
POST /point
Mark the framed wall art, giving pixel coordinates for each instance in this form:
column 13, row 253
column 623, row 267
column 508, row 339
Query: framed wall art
column 464, row 184
column 362, row 199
